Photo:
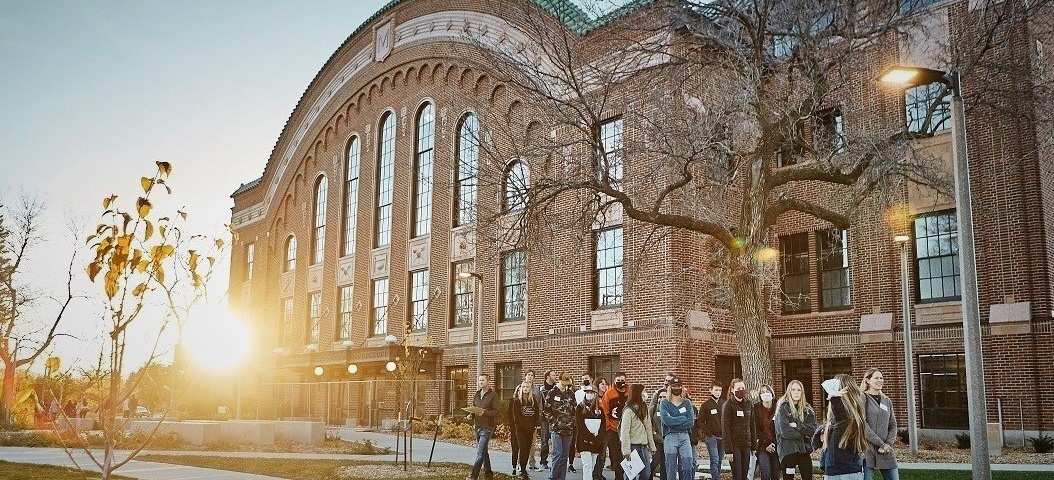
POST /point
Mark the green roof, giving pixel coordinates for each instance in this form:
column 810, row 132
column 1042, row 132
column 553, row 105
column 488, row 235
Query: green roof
column 246, row 186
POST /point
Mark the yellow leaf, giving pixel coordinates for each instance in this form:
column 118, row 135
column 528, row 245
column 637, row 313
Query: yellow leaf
column 219, row 243
column 144, row 207
column 146, row 183
column 107, row 201
column 164, row 167
column 139, row 289
column 212, row 261
column 93, row 269
column 142, row 265
column 149, row 230
column 183, row 214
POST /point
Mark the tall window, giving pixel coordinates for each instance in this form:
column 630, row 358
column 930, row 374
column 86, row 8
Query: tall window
column 942, row 380
column 422, row 209
column 800, row 370
column 419, row 300
column 610, row 170
column 344, row 318
column 457, row 396
column 379, row 317
column 925, row 110
column 726, row 368
column 318, row 244
column 508, row 379
column 250, row 257
column 605, row 366
column 608, row 274
column 467, row 166
column 351, row 197
column 829, row 133
column 286, row 329
column 937, row 256
column 464, row 295
column 314, row 320
column 834, row 269
column 514, row 286
column 794, row 273
column 385, row 178
column 290, row 254
column 517, row 178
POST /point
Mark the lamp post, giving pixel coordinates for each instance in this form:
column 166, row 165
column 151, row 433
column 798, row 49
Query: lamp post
column 909, row 366
column 975, row 394
column 478, row 297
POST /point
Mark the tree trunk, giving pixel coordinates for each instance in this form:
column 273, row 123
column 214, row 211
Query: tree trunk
column 8, row 392
column 748, row 316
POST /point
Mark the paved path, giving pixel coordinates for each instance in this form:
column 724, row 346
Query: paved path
column 422, row 448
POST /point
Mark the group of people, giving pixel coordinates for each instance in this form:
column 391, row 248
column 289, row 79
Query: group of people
column 776, row 437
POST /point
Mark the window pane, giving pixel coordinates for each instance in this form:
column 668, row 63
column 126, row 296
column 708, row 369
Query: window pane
column 610, row 155
column 942, row 379
column 419, row 300
column 422, row 208
column 319, row 244
column 314, row 318
column 794, row 274
column 379, row 323
column 290, row 254
column 834, row 269
column 514, row 285
column 344, row 319
column 467, row 165
column 516, row 183
column 608, row 274
column 464, row 295
column 937, row 257
column 351, row 196
column 385, row 175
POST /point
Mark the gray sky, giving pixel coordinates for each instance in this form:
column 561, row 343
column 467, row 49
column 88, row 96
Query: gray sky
column 92, row 92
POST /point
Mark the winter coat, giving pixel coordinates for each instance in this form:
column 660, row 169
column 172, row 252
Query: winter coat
column 737, row 425
column 559, row 411
column 634, row 431
column 585, row 441
column 835, row 459
column 489, row 404
column 709, row 418
column 793, row 435
column 881, row 429
column 653, row 410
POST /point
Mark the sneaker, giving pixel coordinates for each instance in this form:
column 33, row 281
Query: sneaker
column 533, row 468
column 545, row 466
column 514, row 471
column 571, row 468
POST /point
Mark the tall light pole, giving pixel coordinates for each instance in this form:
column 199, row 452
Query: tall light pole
column 478, row 297
column 975, row 394
column 909, row 366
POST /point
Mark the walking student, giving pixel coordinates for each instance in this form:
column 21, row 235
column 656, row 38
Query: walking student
column 739, row 433
column 764, row 412
column 844, row 440
column 880, row 428
column 677, row 417
column 658, row 461
column 560, row 412
column 612, row 403
column 544, row 436
column 484, row 426
column 795, row 425
column 525, row 410
column 709, row 421
column 589, row 439
column 635, row 431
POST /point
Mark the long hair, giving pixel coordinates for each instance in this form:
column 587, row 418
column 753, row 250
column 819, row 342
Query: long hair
column 636, row 399
column 867, row 376
column 797, row 408
column 853, row 433
column 526, row 396
column 731, row 386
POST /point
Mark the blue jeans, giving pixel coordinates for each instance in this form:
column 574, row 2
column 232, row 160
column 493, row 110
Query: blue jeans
column 716, row 453
column 561, row 448
column 768, row 465
column 680, row 456
column 645, row 456
column 887, row 473
column 482, row 454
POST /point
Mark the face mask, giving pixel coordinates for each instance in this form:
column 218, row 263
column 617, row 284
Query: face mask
column 590, row 396
column 585, row 382
column 766, row 397
column 741, row 394
column 620, row 385
column 676, row 391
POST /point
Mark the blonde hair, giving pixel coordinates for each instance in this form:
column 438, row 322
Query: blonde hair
column 797, row 408
column 853, row 434
column 867, row 376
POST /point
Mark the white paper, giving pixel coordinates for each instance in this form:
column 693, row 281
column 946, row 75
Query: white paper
column 713, row 411
column 790, row 471
column 831, row 386
column 593, row 425
column 633, row 466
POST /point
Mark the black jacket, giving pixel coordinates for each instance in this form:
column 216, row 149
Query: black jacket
column 489, row 403
column 585, row 441
column 737, row 425
column 709, row 418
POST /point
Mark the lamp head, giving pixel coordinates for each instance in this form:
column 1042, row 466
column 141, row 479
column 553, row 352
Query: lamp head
column 909, row 76
column 390, row 366
column 319, row 370
column 353, row 369
column 391, row 339
column 901, row 239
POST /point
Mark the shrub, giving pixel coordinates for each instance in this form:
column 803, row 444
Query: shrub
column 902, row 434
column 1042, row 444
column 962, row 440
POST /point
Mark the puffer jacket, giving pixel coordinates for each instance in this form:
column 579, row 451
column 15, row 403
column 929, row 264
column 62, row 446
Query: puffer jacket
column 634, row 431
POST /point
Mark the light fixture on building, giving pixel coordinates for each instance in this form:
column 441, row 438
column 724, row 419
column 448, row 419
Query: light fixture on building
column 319, row 370
column 390, row 366
column 353, row 369
column 311, row 347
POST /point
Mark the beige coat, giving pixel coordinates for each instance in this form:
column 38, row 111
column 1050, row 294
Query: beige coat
column 633, row 431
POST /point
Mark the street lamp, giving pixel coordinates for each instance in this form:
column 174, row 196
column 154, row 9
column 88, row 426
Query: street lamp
column 478, row 297
column 975, row 394
column 909, row 366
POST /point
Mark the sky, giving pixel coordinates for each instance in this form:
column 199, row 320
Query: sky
column 92, row 92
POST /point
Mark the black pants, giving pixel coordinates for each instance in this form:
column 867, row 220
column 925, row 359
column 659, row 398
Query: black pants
column 522, row 442
column 615, row 452
column 800, row 460
column 740, row 462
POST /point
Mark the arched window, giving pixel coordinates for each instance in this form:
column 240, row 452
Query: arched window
column 467, row 166
column 422, row 208
column 385, row 174
column 517, row 178
column 351, row 196
column 319, row 241
column 290, row 254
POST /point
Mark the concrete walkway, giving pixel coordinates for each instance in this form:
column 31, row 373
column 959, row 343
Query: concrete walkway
column 422, row 448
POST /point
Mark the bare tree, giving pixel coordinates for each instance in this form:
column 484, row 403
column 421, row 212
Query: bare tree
column 735, row 110
column 23, row 338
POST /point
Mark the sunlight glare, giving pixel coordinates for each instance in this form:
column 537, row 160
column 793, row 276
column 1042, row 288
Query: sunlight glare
column 216, row 340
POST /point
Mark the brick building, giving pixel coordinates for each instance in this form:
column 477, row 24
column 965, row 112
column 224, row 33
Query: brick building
column 348, row 248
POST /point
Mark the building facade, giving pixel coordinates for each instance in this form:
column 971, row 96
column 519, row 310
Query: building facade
column 349, row 247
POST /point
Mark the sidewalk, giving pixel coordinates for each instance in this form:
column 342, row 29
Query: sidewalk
column 135, row 468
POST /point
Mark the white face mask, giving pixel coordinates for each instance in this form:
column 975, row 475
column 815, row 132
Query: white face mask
column 590, row 396
column 766, row 397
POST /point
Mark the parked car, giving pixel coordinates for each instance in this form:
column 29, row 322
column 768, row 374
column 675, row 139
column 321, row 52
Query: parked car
column 142, row 412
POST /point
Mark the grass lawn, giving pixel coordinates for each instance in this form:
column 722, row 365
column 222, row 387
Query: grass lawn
column 29, row 471
column 321, row 469
column 966, row 475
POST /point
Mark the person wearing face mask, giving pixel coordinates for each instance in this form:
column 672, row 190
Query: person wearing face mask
column 560, row 412
column 795, row 425
column 739, row 432
column 764, row 411
column 677, row 417
column 612, row 404
column 880, row 428
column 709, row 421
column 590, row 445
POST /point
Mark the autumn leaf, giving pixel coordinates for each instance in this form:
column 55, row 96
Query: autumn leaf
column 93, row 269
column 146, row 183
column 149, row 230
column 219, row 243
column 183, row 214
column 107, row 201
column 139, row 290
column 193, row 262
column 144, row 207
column 164, row 167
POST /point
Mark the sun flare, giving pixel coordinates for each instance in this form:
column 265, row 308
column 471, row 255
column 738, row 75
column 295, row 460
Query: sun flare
column 215, row 340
